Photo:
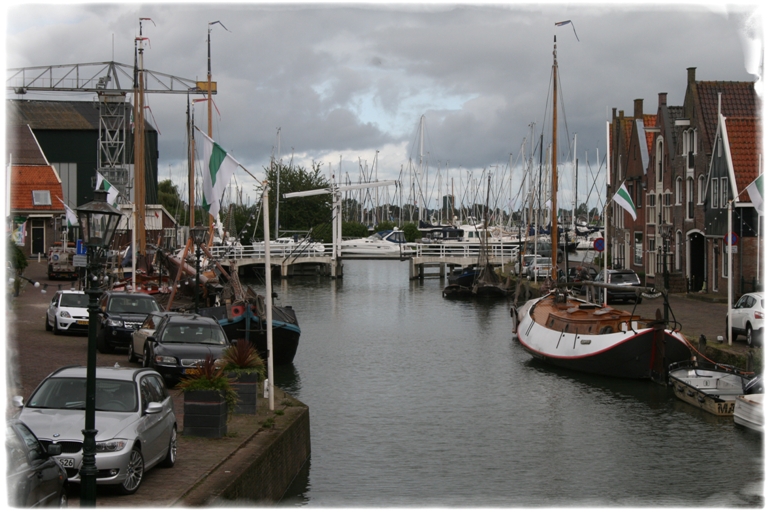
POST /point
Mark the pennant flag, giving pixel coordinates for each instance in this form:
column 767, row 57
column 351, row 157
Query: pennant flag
column 217, row 171
column 71, row 217
column 755, row 191
column 568, row 22
column 112, row 192
column 624, row 200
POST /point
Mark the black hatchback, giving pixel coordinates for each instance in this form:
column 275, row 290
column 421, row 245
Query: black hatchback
column 121, row 313
column 180, row 342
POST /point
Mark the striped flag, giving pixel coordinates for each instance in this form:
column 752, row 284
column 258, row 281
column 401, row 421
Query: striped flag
column 112, row 192
column 218, row 168
column 755, row 191
column 624, row 200
column 568, row 22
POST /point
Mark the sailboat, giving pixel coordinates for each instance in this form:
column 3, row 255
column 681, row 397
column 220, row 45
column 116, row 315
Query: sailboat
column 580, row 335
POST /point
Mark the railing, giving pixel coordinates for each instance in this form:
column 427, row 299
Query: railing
column 237, row 252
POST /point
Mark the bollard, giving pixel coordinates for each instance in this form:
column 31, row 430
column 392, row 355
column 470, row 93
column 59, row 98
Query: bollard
column 266, row 388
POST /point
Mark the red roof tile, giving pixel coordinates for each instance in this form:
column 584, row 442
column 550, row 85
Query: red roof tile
column 26, row 178
column 737, row 99
column 744, row 141
column 649, row 121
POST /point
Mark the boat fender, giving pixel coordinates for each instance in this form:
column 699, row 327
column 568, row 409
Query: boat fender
column 238, row 310
column 513, row 314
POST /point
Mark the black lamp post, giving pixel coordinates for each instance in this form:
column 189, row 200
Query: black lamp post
column 98, row 222
column 199, row 233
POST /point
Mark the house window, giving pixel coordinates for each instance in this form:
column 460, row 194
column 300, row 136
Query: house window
column 689, row 194
column 638, row 248
column 41, row 197
column 659, row 160
column 715, row 193
column 723, row 192
column 651, row 210
column 679, row 191
column 702, row 191
column 639, row 198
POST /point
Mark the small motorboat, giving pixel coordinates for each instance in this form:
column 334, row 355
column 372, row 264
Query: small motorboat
column 748, row 411
column 388, row 243
column 710, row 386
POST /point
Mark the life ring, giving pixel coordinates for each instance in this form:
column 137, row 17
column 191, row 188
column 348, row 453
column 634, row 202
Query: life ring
column 238, row 310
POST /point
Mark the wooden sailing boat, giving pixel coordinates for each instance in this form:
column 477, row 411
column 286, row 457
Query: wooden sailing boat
column 576, row 334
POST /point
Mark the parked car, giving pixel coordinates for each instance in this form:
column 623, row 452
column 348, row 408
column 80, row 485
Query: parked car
column 34, row 477
column 67, row 312
column 146, row 329
column 626, row 278
column 180, row 342
column 747, row 318
column 121, row 313
column 527, row 259
column 539, row 269
column 134, row 417
column 581, row 274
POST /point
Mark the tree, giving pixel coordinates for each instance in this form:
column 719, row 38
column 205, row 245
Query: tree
column 298, row 213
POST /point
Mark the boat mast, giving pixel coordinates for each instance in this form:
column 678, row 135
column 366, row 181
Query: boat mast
column 554, row 234
column 138, row 144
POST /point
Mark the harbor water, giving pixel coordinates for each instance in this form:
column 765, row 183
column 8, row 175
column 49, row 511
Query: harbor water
column 416, row 400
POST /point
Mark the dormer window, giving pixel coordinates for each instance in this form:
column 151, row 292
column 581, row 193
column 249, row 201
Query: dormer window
column 659, row 160
column 41, row 197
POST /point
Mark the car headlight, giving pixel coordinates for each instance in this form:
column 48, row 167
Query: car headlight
column 113, row 445
column 64, row 314
column 165, row 360
column 114, row 323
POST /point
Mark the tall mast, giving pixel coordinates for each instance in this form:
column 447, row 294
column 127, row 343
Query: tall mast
column 555, row 235
column 138, row 145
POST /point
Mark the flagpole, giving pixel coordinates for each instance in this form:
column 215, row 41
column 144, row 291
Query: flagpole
column 605, row 206
column 268, row 293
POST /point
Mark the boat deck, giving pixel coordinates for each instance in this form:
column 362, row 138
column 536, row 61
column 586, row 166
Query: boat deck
column 579, row 317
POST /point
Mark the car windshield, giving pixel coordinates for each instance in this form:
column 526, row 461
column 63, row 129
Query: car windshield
column 74, row 300
column 133, row 305
column 198, row 334
column 624, row 278
column 69, row 393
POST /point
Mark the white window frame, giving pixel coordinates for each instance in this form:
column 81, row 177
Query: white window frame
column 723, row 192
column 715, row 193
column 659, row 160
column 702, row 189
column 41, row 197
column 679, row 191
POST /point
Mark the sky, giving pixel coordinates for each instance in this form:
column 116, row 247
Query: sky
column 347, row 86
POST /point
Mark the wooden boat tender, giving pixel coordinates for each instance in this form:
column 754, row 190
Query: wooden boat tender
column 711, row 387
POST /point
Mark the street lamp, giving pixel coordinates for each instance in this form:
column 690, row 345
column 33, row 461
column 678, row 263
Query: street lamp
column 98, row 222
column 199, row 234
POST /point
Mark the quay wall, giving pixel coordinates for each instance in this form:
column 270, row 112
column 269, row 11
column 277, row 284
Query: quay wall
column 262, row 470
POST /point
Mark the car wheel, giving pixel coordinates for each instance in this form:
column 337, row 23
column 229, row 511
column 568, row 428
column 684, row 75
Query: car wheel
column 101, row 343
column 47, row 325
column 146, row 362
column 134, row 473
column 63, row 501
column 131, row 354
column 170, row 457
column 750, row 334
column 56, row 329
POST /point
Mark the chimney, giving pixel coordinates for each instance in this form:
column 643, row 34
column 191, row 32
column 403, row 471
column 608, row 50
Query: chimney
column 614, row 113
column 662, row 99
column 638, row 108
column 691, row 75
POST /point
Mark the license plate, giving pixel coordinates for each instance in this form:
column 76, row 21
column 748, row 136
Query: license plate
column 67, row 463
column 82, row 322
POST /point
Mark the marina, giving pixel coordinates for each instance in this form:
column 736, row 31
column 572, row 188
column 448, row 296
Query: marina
column 457, row 413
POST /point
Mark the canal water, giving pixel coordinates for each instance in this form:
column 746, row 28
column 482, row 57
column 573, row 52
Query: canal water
column 416, row 401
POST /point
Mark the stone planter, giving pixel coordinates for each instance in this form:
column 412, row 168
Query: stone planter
column 246, row 387
column 205, row 413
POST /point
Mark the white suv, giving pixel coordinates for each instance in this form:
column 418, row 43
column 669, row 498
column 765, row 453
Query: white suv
column 747, row 317
column 67, row 312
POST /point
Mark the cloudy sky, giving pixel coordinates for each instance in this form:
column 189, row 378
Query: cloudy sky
column 347, row 84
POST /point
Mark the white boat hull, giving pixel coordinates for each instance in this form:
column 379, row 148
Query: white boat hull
column 748, row 411
column 642, row 353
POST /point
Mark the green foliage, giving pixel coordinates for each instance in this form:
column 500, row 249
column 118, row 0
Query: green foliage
column 242, row 358
column 298, row 213
column 207, row 377
column 168, row 196
column 16, row 256
column 385, row 224
column 354, row 230
column 411, row 232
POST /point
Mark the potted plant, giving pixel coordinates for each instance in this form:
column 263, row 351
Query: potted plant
column 245, row 369
column 209, row 399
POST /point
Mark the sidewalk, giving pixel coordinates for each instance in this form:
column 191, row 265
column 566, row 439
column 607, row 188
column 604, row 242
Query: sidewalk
column 32, row 353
